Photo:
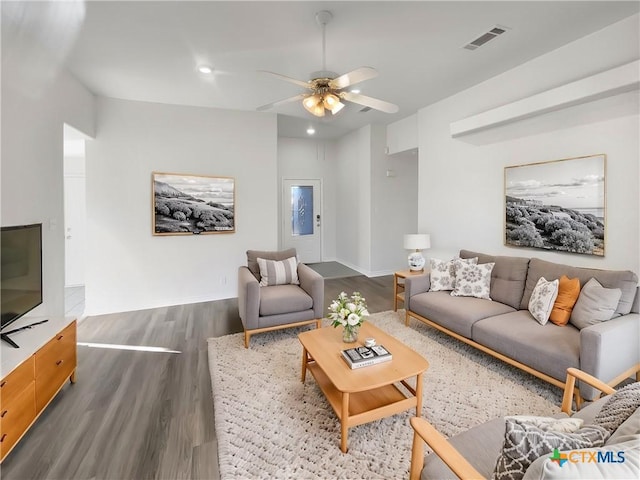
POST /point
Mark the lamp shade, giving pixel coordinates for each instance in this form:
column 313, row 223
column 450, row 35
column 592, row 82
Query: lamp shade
column 417, row 241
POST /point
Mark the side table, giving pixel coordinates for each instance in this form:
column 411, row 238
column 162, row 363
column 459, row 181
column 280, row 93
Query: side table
column 398, row 286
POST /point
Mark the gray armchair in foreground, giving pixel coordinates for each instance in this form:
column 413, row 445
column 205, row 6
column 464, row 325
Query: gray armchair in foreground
column 265, row 308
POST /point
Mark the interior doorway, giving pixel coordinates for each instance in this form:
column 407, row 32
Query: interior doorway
column 75, row 220
column 301, row 217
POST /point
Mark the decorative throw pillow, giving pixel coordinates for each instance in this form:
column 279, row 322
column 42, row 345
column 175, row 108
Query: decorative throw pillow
column 443, row 273
column 524, row 443
column 568, row 291
column 473, row 281
column 273, row 272
column 595, row 304
column 611, row 468
column 542, row 299
column 619, row 407
column 562, row 424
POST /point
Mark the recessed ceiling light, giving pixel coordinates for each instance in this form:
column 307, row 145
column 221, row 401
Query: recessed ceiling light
column 311, row 131
column 206, row 69
column 355, row 90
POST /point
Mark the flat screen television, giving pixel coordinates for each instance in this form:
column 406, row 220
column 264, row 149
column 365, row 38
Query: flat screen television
column 21, row 271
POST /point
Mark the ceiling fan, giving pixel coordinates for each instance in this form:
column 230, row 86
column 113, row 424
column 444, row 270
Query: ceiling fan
column 327, row 89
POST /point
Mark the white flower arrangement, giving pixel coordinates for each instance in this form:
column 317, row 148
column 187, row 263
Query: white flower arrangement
column 348, row 311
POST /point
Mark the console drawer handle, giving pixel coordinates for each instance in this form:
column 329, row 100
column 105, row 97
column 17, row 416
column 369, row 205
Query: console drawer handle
column 60, row 337
column 3, row 413
column 3, row 437
column 3, row 384
column 59, row 362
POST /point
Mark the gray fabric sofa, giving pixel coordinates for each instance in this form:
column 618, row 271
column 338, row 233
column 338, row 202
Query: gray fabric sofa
column 473, row 454
column 504, row 328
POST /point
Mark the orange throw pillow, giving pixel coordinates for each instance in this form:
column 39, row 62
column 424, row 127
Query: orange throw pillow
column 568, row 292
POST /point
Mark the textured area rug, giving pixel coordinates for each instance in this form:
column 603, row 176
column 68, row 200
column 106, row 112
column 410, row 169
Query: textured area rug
column 271, row 425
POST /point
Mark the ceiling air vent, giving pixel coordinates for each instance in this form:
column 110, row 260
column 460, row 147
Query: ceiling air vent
column 365, row 109
column 485, row 37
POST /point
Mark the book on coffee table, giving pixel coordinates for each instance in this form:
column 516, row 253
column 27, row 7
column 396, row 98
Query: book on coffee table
column 359, row 357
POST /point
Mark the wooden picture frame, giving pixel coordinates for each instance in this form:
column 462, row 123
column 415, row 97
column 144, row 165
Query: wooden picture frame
column 557, row 205
column 186, row 204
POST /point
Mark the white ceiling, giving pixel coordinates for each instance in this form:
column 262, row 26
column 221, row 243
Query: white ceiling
column 149, row 50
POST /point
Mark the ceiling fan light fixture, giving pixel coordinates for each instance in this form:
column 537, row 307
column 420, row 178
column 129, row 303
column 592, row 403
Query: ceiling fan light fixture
column 337, row 107
column 311, row 101
column 330, row 100
column 318, row 110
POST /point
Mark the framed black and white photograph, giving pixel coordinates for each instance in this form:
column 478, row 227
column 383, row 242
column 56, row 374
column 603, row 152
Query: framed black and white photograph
column 186, row 204
column 557, row 205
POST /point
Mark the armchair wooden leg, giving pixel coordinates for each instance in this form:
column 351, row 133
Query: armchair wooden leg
column 247, row 336
column 319, row 323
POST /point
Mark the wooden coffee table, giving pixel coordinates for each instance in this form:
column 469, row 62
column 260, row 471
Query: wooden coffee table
column 364, row 394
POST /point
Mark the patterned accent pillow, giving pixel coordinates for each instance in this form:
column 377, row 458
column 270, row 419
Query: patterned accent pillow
column 619, row 407
column 524, row 443
column 274, row 272
column 562, row 424
column 443, row 273
column 542, row 299
column 473, row 281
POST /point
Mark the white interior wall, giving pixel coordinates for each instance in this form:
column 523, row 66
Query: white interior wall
column 307, row 159
column 353, row 197
column 461, row 180
column 395, row 209
column 394, row 204
column 130, row 269
column 32, row 158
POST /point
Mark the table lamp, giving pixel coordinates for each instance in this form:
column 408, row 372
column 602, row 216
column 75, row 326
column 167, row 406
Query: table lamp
column 416, row 242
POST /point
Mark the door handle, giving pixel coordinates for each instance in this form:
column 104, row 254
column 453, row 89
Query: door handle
column 317, row 220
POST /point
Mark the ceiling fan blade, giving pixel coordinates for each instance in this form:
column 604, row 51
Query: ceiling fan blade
column 300, row 83
column 281, row 102
column 370, row 102
column 356, row 76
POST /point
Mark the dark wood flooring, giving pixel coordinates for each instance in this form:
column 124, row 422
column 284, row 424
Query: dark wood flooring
column 145, row 415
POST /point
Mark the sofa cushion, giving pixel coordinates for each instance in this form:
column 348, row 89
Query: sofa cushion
column 595, row 304
column 508, row 277
column 542, row 299
column 625, row 280
column 283, row 299
column 525, row 443
column 253, row 255
column 455, row 313
column 473, row 281
column 547, row 348
column 568, row 291
column 589, row 410
column 480, row 445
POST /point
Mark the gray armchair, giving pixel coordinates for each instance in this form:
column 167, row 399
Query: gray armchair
column 265, row 308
